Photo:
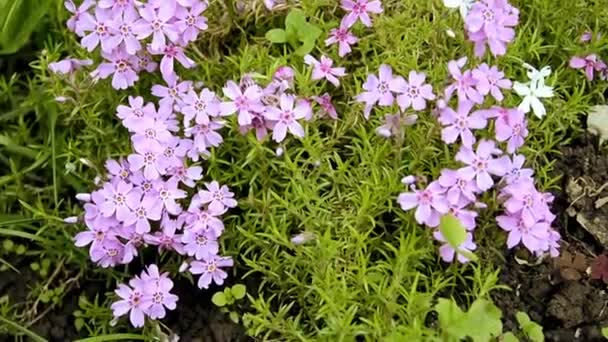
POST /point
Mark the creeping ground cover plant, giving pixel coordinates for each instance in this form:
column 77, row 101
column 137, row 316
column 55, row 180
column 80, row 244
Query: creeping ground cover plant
column 290, row 170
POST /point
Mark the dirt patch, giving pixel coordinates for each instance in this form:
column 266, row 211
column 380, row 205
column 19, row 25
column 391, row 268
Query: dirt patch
column 196, row 319
column 560, row 294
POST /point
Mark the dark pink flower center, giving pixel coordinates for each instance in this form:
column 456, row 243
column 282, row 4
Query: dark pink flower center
column 125, row 29
column 461, row 123
column 383, row 87
column 158, row 297
column 212, row 267
column 149, row 158
column 121, row 65
column 325, row 68
column 201, row 240
column 157, row 25
column 517, row 129
column 360, row 8
column 414, row 91
column 425, row 197
column 112, row 252
column 480, row 165
column 99, row 235
column 190, row 20
column 119, row 199
column 141, row 212
column 101, row 29
column 135, row 299
column 488, row 14
column 286, row 117
column 241, row 102
column 164, row 194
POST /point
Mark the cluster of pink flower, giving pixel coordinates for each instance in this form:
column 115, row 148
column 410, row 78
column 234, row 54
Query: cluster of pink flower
column 491, row 22
column 528, row 217
column 130, row 31
column 590, row 64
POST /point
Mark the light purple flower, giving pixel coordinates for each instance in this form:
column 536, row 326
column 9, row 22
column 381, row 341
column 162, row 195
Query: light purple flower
column 68, row 65
column 344, row 38
column 211, row 270
column 119, row 7
column 218, row 198
column 157, row 287
column 158, row 24
column 109, row 253
column 144, row 61
column 525, row 201
column 482, row 163
column 148, row 209
column 200, row 107
column 377, row 90
column 287, row 117
column 166, row 238
column 458, row 188
column 324, row 69
column 120, row 199
column 459, row 124
column 119, row 63
column 133, row 301
column 513, row 130
column 447, row 252
column 73, row 22
column 490, row 80
column 413, row 92
column 99, row 30
column 200, row 244
column 123, row 31
column 590, row 64
column 147, row 158
column 171, row 93
column 168, row 193
column 172, row 52
column 151, row 132
column 204, row 220
column 430, row 204
column 327, row 106
column 205, row 136
column 191, row 22
column 118, row 169
column 464, row 83
column 134, row 115
column 187, row 175
column 244, row 102
column 466, row 217
column 491, row 22
column 533, row 235
column 394, row 123
column 360, row 9
column 516, row 172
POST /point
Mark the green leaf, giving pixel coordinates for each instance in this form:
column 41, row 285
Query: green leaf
column 219, row 299
column 452, row 230
column 18, row 19
column 483, row 320
column 605, row 332
column 276, row 36
column 239, row 291
column 234, row 316
column 78, row 323
column 305, row 48
column 295, row 19
column 449, row 315
column 533, row 330
column 509, row 337
column 309, row 32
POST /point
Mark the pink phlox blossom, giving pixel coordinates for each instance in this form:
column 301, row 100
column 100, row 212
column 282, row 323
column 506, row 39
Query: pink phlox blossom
column 123, row 30
column 534, row 234
column 590, row 64
column 173, row 92
column 207, row 220
column 513, row 129
column 200, row 107
column 218, row 198
column 413, row 92
column 466, row 217
column 200, row 244
column 211, row 270
column 186, row 175
column 119, row 170
column 167, row 238
column 98, row 28
column 158, row 23
column 430, row 203
column 133, row 300
column 517, row 172
column 490, row 80
column 360, row 10
column 458, row 188
column 119, row 7
column 120, row 199
column 151, row 132
column 327, row 107
column 377, row 90
column 73, row 21
column 482, row 163
column 168, row 194
column 157, row 287
column 491, row 22
column 191, row 21
column 204, row 137
column 286, row 117
column 68, row 65
column 147, row 157
column 109, row 253
column 121, row 65
column 324, row 69
column 143, row 61
column 344, row 38
column 464, row 83
column 245, row 103
column 172, row 52
column 459, row 124
column 134, row 115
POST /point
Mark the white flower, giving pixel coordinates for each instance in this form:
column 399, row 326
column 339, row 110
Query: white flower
column 463, row 5
column 532, row 92
column 536, row 75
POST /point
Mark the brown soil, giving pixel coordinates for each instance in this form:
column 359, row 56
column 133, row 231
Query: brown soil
column 560, row 294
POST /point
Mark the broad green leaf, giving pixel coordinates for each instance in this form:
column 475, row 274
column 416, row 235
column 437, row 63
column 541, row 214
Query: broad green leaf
column 239, row 291
column 449, row 315
column 522, row 318
column 219, row 299
column 295, row 18
column 509, row 337
column 605, row 332
column 309, row 32
column 18, row 19
column 305, row 48
column 234, row 316
column 452, row 230
column 276, row 36
column 533, row 330
column 483, row 320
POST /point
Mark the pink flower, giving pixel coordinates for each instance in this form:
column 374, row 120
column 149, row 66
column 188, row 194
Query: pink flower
column 73, row 23
column 118, row 7
column 68, row 65
column 377, row 90
column 204, row 220
column 533, row 235
column 491, row 22
column 121, row 64
column 172, row 52
column 286, row 117
column 167, row 239
column 191, row 22
column 459, row 124
column 589, row 63
column 157, row 287
column 205, row 136
column 171, row 93
column 244, row 102
column 513, row 129
column 324, row 69
column 200, row 107
column 135, row 115
column 344, row 38
column 123, row 30
column 158, row 24
column 464, row 83
column 200, row 244
column 167, row 194
column 147, row 158
column 133, row 300
column 99, row 29
column 482, row 163
column 210, row 270
column 458, row 188
column 490, row 80
column 447, row 252
column 414, row 92
column 326, row 105
column 120, row 199
column 218, row 198
column 430, row 204
column 360, row 9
